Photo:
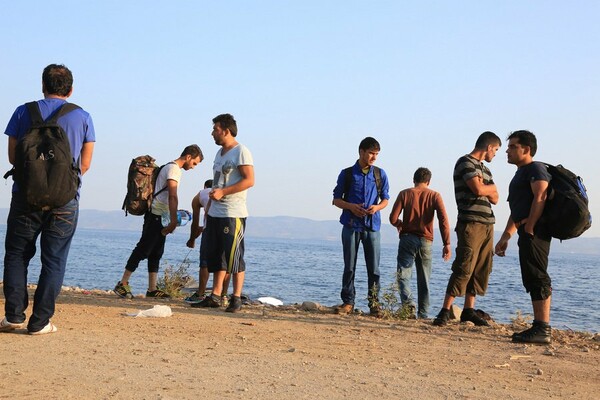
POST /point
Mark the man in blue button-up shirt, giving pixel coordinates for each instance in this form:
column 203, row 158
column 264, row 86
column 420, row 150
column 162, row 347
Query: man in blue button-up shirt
column 361, row 192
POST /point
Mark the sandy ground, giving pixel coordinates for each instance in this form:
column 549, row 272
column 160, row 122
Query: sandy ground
column 282, row 353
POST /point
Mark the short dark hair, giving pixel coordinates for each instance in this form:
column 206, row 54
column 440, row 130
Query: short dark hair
column 192, row 150
column 208, row 183
column 57, row 80
column 369, row 143
column 525, row 138
column 486, row 139
column 226, row 121
column 422, row 175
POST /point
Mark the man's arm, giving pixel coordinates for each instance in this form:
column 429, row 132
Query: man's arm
column 377, row 207
column 356, row 209
column 395, row 214
column 444, row 225
column 12, row 145
column 195, row 226
column 86, row 156
column 383, row 195
column 479, row 189
column 247, row 181
column 540, row 192
column 173, row 204
column 502, row 245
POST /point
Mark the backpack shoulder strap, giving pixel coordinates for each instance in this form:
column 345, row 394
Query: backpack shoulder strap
column 158, row 172
column 377, row 175
column 347, row 182
column 63, row 110
column 34, row 113
column 36, row 116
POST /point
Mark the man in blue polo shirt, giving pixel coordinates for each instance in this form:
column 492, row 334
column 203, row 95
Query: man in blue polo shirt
column 56, row 226
column 361, row 192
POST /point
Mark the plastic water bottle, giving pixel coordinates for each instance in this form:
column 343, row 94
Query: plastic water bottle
column 183, row 217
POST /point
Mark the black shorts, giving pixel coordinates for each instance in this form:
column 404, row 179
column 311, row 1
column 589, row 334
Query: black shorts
column 533, row 257
column 224, row 244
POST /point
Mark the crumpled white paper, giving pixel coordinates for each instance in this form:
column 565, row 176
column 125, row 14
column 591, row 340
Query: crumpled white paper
column 158, row 311
column 270, row 300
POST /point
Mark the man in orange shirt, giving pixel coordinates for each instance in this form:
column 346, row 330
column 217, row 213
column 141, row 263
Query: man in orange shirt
column 418, row 206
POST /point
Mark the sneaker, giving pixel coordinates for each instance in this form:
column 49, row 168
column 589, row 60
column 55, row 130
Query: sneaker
column 539, row 333
column 469, row 315
column 6, row 326
column 193, row 299
column 50, row 328
column 157, row 293
column 345, row 309
column 123, row 291
column 376, row 312
column 235, row 305
column 211, row 301
column 442, row 318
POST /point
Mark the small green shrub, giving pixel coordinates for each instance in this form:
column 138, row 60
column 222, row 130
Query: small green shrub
column 390, row 304
column 174, row 279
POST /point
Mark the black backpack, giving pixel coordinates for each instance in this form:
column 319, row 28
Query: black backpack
column 44, row 170
column 141, row 181
column 566, row 213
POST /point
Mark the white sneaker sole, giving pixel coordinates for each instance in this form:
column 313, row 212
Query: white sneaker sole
column 6, row 326
column 50, row 328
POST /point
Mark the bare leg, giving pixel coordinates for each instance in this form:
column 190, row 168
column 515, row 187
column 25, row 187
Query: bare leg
column 238, row 283
column 469, row 301
column 226, row 284
column 541, row 310
column 152, row 280
column 204, row 275
column 126, row 276
column 448, row 300
column 218, row 278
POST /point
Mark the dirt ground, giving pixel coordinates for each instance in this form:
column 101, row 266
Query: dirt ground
column 263, row 352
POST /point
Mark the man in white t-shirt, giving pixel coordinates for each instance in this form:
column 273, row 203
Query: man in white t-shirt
column 233, row 170
column 151, row 245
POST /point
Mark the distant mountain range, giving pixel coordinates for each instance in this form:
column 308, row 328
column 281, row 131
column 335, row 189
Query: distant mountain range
column 295, row 228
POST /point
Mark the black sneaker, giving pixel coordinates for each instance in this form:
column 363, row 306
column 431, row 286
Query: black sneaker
column 123, row 291
column 442, row 318
column 235, row 304
column 469, row 315
column 158, row 294
column 211, row 301
column 539, row 333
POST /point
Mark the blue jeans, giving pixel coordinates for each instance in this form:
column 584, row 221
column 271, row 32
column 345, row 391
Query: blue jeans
column 56, row 227
column 371, row 246
column 417, row 250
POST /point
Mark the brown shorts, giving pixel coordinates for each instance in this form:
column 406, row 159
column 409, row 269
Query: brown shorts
column 472, row 266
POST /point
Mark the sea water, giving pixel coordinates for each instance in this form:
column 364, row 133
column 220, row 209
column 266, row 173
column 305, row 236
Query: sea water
column 297, row 270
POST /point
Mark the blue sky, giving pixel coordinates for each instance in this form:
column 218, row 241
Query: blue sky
column 307, row 81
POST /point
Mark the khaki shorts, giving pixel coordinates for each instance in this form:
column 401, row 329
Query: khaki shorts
column 472, row 266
